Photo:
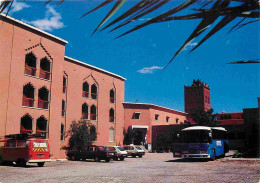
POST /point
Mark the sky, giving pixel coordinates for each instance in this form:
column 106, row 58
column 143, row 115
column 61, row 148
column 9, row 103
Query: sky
column 140, row 56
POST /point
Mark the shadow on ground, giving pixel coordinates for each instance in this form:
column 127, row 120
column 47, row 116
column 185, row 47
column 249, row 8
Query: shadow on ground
column 188, row 160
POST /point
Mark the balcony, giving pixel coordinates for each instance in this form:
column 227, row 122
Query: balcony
column 43, row 104
column 30, row 70
column 64, row 89
column 112, row 100
column 93, row 95
column 44, row 74
column 111, row 119
column 84, row 115
column 93, row 117
column 29, row 102
column 85, row 94
column 24, row 130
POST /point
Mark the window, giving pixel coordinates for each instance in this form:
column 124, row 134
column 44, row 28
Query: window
column 26, row 124
column 84, row 111
column 43, row 98
column 156, row 117
column 62, row 132
column 94, row 91
column 111, row 115
column 93, row 113
column 85, row 92
column 112, row 96
column 137, row 115
column 63, row 108
column 28, row 95
column 30, row 64
column 45, row 68
column 177, row 120
column 41, row 126
column 167, row 119
column 64, row 88
column 111, row 134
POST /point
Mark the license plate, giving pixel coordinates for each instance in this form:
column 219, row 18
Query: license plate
column 111, row 153
column 40, row 155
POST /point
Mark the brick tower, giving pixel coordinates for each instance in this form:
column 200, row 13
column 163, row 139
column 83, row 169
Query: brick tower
column 197, row 96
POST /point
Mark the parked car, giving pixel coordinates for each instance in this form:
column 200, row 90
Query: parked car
column 120, row 153
column 134, row 150
column 89, row 152
column 24, row 148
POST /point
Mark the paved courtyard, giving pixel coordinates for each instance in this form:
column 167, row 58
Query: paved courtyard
column 152, row 167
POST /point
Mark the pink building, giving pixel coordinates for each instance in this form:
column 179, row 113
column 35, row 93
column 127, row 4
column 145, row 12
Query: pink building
column 143, row 117
column 43, row 91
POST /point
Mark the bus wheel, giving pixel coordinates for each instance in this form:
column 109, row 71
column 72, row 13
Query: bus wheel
column 213, row 155
column 41, row 164
column 1, row 161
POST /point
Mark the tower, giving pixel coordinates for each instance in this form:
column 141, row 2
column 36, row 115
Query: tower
column 197, row 96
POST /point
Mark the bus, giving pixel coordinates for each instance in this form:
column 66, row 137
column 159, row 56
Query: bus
column 201, row 142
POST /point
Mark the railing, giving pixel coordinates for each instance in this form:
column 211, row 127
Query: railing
column 111, row 119
column 28, row 101
column 84, row 115
column 30, row 70
column 44, row 132
column 64, row 89
column 44, row 74
column 85, row 94
column 93, row 95
column 63, row 113
column 93, row 117
column 43, row 104
column 24, row 130
column 112, row 100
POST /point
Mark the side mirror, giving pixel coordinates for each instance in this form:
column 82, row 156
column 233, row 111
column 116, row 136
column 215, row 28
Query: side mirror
column 178, row 135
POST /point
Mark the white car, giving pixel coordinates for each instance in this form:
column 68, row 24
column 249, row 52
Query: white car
column 134, row 150
column 121, row 154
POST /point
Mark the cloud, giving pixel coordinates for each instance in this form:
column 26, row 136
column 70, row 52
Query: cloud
column 18, row 6
column 50, row 22
column 149, row 70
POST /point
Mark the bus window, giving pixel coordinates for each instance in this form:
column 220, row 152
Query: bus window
column 10, row 144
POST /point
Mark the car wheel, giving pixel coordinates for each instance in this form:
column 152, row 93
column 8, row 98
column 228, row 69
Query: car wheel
column 133, row 156
column 107, row 159
column 21, row 163
column 97, row 159
column 140, row 156
column 73, row 158
column 122, row 159
column 41, row 164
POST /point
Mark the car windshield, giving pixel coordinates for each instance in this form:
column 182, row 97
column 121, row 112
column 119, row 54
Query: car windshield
column 195, row 136
column 120, row 148
column 139, row 148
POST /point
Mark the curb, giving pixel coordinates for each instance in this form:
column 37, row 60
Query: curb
column 242, row 159
column 58, row 160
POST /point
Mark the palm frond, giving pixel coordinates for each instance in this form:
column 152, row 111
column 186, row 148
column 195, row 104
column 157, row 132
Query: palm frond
column 254, row 61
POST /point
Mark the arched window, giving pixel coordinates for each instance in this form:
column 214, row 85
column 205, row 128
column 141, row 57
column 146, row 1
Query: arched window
column 30, row 64
column 112, row 96
column 63, row 108
column 84, row 111
column 93, row 133
column 111, row 115
column 111, row 134
column 41, row 125
column 93, row 113
column 28, row 95
column 43, row 98
column 85, row 92
column 26, row 124
column 64, row 88
column 45, row 70
column 94, row 91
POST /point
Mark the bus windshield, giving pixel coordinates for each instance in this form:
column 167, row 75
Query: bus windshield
column 196, row 136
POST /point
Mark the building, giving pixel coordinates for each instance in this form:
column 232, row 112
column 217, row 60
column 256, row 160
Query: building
column 234, row 124
column 43, row 91
column 143, row 117
column 197, row 96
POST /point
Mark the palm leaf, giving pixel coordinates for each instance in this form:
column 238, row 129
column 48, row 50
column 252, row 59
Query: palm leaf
column 4, row 5
column 99, row 6
column 255, row 61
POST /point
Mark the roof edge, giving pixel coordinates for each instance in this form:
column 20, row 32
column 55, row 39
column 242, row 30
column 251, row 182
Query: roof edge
column 94, row 67
column 154, row 106
column 32, row 27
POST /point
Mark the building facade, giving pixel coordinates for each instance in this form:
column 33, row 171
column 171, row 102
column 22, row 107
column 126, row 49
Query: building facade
column 197, row 96
column 43, row 91
column 142, row 117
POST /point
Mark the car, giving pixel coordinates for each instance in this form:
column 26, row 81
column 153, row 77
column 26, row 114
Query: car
column 89, row 152
column 120, row 153
column 134, row 150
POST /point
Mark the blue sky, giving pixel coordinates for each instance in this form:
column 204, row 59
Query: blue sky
column 140, row 56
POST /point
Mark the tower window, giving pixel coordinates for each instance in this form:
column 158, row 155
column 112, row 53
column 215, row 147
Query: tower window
column 84, row 111
column 43, row 98
column 45, row 68
column 137, row 115
column 30, row 64
column 26, row 124
column 85, row 92
column 111, row 115
column 93, row 113
column 94, row 91
column 112, row 96
column 28, row 95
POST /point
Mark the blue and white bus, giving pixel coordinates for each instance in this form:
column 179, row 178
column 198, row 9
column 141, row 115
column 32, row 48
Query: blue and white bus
column 201, row 142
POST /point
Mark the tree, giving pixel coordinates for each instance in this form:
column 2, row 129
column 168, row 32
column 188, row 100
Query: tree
column 81, row 134
column 129, row 136
column 211, row 12
column 204, row 118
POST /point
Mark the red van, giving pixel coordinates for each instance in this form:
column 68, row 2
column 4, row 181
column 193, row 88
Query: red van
column 24, row 148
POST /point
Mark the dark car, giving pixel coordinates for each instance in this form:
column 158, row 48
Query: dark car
column 116, row 152
column 89, row 152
